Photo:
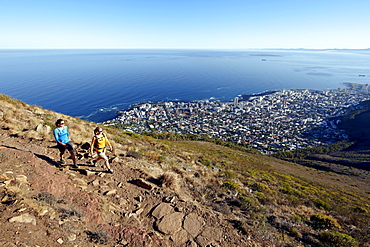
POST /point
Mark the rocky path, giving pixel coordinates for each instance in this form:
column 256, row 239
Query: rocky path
column 44, row 204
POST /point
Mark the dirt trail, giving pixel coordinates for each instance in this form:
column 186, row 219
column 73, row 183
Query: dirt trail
column 45, row 204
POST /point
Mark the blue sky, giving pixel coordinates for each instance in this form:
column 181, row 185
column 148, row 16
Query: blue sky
column 187, row 24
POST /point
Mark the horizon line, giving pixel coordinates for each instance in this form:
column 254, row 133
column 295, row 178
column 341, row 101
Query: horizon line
column 271, row 48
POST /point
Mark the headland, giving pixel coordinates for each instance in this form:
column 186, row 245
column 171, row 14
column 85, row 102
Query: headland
column 269, row 121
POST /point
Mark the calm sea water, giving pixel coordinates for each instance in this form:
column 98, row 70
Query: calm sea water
column 94, row 84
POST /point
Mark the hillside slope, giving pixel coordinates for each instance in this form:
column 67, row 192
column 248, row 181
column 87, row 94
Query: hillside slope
column 165, row 193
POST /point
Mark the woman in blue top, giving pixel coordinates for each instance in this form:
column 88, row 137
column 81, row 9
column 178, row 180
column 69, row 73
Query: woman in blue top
column 61, row 135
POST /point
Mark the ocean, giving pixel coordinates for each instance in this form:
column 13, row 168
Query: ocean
column 95, row 84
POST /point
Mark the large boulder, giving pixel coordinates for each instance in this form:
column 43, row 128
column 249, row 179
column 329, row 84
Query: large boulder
column 43, row 129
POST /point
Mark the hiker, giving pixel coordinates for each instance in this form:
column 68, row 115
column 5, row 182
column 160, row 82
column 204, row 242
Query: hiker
column 98, row 144
column 62, row 137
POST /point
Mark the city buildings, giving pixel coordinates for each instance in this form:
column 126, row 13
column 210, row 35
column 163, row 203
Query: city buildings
column 287, row 119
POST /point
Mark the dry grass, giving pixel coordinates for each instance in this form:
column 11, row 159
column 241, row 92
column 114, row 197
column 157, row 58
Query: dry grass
column 252, row 188
column 22, row 120
column 168, row 179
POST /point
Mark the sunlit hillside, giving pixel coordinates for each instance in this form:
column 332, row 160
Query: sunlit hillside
column 166, row 193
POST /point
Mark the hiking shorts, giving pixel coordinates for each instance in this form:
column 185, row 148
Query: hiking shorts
column 102, row 155
column 62, row 148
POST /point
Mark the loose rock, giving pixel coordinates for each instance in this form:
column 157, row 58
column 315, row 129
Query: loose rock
column 162, row 210
column 171, row 223
column 143, row 184
column 111, row 192
column 193, row 224
column 24, row 218
column 43, row 129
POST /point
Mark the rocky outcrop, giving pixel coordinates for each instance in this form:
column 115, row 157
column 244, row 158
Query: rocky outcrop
column 86, row 206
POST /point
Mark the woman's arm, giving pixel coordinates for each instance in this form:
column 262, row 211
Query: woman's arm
column 92, row 145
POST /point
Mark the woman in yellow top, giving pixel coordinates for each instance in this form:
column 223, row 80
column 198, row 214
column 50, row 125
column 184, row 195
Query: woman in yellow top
column 98, row 144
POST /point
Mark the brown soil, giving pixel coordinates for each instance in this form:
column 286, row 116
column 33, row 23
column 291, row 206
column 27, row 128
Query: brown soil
column 64, row 206
column 161, row 194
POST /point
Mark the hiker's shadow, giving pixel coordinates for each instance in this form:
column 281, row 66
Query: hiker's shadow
column 41, row 156
column 48, row 159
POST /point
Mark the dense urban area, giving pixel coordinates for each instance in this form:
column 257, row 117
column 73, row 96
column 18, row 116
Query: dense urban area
column 269, row 122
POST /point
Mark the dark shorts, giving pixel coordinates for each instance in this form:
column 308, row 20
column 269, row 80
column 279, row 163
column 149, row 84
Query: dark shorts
column 62, row 148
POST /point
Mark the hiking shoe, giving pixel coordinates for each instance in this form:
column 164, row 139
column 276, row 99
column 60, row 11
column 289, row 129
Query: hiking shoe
column 75, row 166
column 61, row 161
column 94, row 163
column 110, row 171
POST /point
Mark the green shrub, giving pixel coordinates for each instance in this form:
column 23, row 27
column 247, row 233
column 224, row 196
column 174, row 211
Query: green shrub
column 337, row 239
column 322, row 204
column 119, row 139
column 259, row 218
column 298, row 218
column 361, row 210
column 248, row 202
column 268, row 178
column 229, row 185
column 294, row 232
column 225, row 163
column 230, row 174
column 261, row 197
column 261, row 187
column 133, row 135
column 321, row 221
column 205, row 161
column 165, row 147
column 291, row 191
column 252, row 173
column 293, row 200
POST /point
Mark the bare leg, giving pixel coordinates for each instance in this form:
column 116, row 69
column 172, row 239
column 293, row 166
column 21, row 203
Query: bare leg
column 106, row 161
column 61, row 157
column 102, row 156
column 73, row 156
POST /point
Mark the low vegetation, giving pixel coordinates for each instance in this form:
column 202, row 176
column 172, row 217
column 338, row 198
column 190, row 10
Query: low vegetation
column 270, row 199
column 257, row 187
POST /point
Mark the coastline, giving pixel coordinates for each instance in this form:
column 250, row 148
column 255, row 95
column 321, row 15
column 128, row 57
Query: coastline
column 241, row 97
column 126, row 77
column 268, row 121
